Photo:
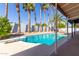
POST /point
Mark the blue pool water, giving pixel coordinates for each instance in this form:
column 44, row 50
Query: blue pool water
column 47, row 39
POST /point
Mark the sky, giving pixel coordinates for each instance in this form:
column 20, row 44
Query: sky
column 13, row 16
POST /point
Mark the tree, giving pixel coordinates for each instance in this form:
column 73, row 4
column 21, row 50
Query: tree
column 40, row 20
column 6, row 10
column 28, row 7
column 5, row 26
column 18, row 11
column 49, row 22
column 60, row 21
column 35, row 14
column 44, row 8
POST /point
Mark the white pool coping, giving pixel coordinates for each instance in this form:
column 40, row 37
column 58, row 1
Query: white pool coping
column 28, row 34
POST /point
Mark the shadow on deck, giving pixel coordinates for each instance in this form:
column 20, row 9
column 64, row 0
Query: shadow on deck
column 71, row 48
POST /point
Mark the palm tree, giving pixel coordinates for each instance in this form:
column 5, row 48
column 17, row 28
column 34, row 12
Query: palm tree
column 44, row 8
column 6, row 10
column 35, row 15
column 18, row 11
column 28, row 7
column 49, row 21
column 40, row 19
column 59, row 20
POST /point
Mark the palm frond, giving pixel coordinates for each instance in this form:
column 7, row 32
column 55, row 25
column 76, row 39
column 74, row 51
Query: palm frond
column 29, row 6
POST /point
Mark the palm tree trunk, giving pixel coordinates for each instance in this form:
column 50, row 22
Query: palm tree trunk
column 19, row 26
column 35, row 17
column 35, row 21
column 48, row 22
column 18, row 10
column 6, row 11
column 29, row 20
column 40, row 21
column 44, row 20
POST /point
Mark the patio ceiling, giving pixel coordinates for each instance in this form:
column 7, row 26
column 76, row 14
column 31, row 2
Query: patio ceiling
column 70, row 10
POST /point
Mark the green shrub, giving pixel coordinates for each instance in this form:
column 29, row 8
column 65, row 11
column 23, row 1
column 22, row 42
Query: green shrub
column 44, row 24
column 76, row 26
column 36, row 24
column 5, row 26
column 61, row 25
column 39, row 24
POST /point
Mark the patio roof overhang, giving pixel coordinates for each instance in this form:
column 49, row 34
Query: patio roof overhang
column 70, row 10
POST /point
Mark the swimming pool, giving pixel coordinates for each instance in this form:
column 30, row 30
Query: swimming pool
column 47, row 39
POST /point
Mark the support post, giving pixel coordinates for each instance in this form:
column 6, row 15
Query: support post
column 67, row 28
column 72, row 30
column 56, row 30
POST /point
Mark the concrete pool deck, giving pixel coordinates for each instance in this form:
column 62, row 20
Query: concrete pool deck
column 70, row 48
column 15, row 47
column 22, row 48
